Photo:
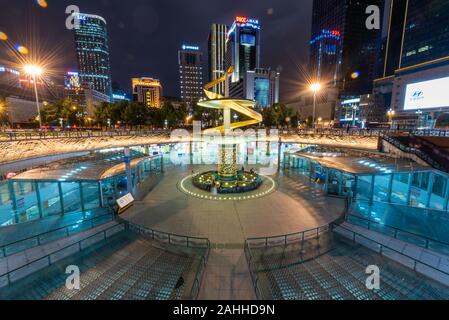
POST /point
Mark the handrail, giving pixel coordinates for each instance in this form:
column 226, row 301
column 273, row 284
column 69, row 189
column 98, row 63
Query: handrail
column 48, row 256
column 422, row 155
column 37, row 237
column 36, row 135
column 190, row 241
column 397, row 230
column 315, row 232
column 382, row 247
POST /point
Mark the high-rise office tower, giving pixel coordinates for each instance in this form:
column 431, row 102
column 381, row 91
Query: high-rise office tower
column 262, row 86
column 190, row 62
column 92, row 51
column 148, row 91
column 243, row 47
column 417, row 33
column 216, row 52
column 343, row 51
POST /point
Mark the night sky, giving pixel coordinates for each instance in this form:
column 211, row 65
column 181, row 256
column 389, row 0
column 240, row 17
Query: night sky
column 145, row 35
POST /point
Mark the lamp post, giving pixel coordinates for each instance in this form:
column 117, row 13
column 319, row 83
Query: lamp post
column 35, row 71
column 391, row 114
column 315, row 88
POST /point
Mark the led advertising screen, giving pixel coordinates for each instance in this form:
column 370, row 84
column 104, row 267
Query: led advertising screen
column 427, row 94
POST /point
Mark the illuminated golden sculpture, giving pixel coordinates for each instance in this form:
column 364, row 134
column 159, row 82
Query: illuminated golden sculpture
column 218, row 101
column 227, row 167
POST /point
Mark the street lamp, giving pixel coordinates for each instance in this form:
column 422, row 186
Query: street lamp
column 391, row 114
column 35, row 71
column 315, row 88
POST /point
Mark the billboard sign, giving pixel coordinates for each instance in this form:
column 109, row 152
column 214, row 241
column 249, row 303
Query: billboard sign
column 427, row 94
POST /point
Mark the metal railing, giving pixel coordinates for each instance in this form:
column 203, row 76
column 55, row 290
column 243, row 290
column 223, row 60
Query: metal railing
column 177, row 240
column 430, row 133
column 420, row 154
column 423, row 241
column 283, row 240
column 383, row 249
column 42, row 135
column 48, row 257
column 17, row 135
column 42, row 238
column 170, row 238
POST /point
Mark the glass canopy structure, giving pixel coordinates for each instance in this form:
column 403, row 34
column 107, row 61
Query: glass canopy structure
column 75, row 185
column 374, row 179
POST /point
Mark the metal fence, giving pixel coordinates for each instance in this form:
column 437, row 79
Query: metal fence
column 53, row 235
column 19, row 135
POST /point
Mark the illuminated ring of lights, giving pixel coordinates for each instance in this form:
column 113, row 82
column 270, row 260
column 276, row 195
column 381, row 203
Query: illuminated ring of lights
column 228, row 197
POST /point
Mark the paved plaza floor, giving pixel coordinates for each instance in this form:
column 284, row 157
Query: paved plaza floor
column 296, row 205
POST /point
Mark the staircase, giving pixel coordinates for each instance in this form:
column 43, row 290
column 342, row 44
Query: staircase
column 340, row 275
column 434, row 151
column 124, row 267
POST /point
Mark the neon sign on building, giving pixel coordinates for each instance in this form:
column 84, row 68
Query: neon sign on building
column 247, row 22
column 327, row 34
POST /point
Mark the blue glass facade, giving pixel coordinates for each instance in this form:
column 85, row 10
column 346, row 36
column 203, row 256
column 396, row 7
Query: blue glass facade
column 92, row 51
column 426, row 36
column 262, row 92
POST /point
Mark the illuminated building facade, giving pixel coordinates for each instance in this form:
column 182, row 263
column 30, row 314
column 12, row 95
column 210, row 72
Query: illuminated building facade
column 262, row 86
column 147, row 91
column 83, row 95
column 343, row 52
column 426, row 35
column 217, row 51
column 92, row 51
column 243, row 47
column 190, row 62
column 416, row 62
column 119, row 96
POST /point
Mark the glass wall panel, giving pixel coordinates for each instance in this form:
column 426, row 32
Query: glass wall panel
column 26, row 199
column 439, row 188
column 333, row 186
column 381, row 187
column 6, row 205
column 91, row 195
column 419, row 189
column 71, row 196
column 50, row 200
column 121, row 185
column 348, row 182
column 108, row 189
column 399, row 192
column 364, row 184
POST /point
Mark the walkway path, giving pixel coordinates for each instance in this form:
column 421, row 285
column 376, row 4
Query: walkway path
column 295, row 206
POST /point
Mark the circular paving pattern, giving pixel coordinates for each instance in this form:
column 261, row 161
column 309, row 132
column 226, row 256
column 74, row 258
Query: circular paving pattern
column 268, row 186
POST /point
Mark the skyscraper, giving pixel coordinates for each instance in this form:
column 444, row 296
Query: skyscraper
column 92, row 51
column 343, row 51
column 395, row 32
column 216, row 52
column 417, row 33
column 190, row 60
column 148, row 91
column 262, row 86
column 243, row 47
column 416, row 62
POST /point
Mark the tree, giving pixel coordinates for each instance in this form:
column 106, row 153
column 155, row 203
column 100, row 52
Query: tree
column 283, row 114
column 136, row 114
column 112, row 113
column 3, row 111
column 269, row 117
column 65, row 109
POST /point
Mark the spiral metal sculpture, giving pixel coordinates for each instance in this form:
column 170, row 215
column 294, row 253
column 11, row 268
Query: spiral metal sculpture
column 220, row 102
